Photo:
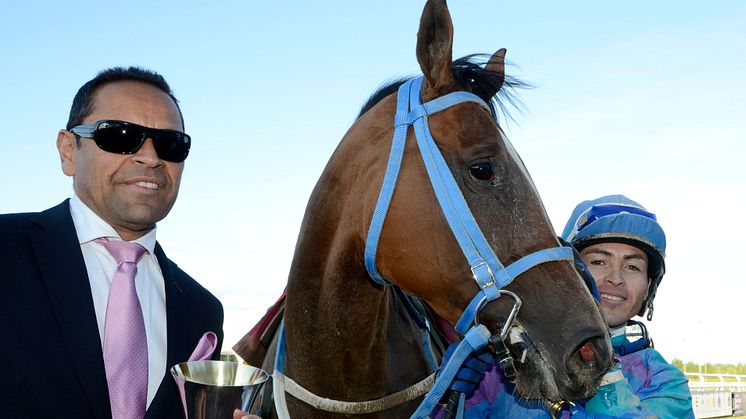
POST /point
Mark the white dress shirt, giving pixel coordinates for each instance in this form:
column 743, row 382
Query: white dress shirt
column 149, row 284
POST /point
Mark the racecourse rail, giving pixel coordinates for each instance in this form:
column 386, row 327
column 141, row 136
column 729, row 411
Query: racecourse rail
column 717, row 395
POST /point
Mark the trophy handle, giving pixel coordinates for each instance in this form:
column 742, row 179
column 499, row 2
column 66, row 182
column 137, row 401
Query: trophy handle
column 249, row 395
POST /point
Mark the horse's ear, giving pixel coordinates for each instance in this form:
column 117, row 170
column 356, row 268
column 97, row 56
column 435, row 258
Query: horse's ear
column 434, row 44
column 496, row 66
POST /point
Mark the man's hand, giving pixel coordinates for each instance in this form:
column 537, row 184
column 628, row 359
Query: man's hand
column 237, row 414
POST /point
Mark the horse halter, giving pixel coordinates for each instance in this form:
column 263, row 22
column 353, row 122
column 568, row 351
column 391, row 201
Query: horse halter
column 490, row 274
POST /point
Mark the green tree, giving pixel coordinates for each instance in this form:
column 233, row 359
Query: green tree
column 741, row 369
column 708, row 368
column 691, row 367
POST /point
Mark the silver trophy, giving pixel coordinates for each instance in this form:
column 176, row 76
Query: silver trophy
column 214, row 389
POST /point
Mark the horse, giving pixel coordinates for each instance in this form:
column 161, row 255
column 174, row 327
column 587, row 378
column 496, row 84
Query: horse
column 349, row 341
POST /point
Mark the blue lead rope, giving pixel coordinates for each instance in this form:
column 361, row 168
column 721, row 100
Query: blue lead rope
column 476, row 338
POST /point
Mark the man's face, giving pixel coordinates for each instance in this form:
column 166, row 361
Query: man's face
column 131, row 192
column 621, row 274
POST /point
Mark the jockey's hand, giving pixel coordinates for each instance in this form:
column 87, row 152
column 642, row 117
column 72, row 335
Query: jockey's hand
column 471, row 373
column 237, row 414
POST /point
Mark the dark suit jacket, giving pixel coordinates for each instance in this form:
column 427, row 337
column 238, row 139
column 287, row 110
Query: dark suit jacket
column 50, row 349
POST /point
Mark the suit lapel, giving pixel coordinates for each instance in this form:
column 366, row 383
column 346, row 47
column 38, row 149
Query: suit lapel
column 64, row 274
column 178, row 346
column 177, row 313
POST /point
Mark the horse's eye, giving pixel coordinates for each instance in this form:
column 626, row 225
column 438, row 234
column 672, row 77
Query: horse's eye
column 482, row 171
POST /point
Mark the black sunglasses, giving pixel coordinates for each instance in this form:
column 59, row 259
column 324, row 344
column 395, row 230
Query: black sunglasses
column 126, row 138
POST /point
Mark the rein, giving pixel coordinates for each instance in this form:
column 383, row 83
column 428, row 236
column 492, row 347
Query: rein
column 358, row 408
column 282, row 384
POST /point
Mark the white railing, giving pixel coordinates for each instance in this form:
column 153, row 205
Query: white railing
column 716, row 395
column 714, row 382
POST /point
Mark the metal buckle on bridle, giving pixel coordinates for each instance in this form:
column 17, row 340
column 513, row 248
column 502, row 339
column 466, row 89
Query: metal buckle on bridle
column 498, row 340
column 476, row 277
column 556, row 407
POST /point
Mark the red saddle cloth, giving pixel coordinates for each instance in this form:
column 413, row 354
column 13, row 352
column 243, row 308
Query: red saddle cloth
column 253, row 346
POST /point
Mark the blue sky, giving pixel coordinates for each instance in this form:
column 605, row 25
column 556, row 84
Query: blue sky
column 641, row 98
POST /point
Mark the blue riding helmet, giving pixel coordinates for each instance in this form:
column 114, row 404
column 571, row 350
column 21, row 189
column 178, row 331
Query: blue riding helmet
column 616, row 218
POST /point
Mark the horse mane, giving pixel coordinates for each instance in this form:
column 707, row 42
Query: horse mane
column 471, row 76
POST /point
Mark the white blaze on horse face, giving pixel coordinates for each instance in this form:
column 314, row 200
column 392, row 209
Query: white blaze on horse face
column 515, row 337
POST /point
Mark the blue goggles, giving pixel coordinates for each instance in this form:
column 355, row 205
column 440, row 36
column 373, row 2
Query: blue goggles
column 604, row 210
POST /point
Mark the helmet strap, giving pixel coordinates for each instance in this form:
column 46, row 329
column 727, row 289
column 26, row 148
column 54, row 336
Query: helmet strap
column 650, row 310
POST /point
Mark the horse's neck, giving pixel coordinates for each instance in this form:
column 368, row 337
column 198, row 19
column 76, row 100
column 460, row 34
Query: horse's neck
column 346, row 339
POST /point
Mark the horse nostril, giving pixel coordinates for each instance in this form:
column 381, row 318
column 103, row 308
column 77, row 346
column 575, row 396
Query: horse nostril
column 586, row 365
column 594, row 353
column 586, row 352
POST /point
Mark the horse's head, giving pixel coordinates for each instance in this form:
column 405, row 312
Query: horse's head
column 559, row 336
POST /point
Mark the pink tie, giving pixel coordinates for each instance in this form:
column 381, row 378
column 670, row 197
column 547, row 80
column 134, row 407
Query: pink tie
column 125, row 345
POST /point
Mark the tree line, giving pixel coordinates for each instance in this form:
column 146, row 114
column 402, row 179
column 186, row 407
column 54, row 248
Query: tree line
column 710, row 368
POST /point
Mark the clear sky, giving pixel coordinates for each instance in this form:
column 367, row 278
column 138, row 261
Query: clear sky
column 642, row 98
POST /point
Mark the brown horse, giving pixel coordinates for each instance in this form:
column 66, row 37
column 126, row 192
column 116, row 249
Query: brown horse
column 349, row 339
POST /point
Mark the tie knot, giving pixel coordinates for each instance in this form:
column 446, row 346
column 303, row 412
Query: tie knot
column 122, row 251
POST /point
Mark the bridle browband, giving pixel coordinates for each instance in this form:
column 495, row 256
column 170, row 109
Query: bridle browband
column 491, row 276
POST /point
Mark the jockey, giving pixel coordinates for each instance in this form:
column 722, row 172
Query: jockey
column 623, row 247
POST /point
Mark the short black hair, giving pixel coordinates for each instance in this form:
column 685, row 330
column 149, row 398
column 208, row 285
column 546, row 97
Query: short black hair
column 83, row 102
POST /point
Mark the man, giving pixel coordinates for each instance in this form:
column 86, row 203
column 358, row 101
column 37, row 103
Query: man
column 93, row 312
column 623, row 247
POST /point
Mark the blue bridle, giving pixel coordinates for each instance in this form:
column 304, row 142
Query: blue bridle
column 490, row 274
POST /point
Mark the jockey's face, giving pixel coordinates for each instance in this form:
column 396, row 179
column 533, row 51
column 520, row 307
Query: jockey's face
column 620, row 271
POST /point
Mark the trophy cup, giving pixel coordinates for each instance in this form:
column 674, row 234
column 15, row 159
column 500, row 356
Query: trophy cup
column 214, row 389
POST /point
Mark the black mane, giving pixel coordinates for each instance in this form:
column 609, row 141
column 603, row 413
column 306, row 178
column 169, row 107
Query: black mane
column 469, row 75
